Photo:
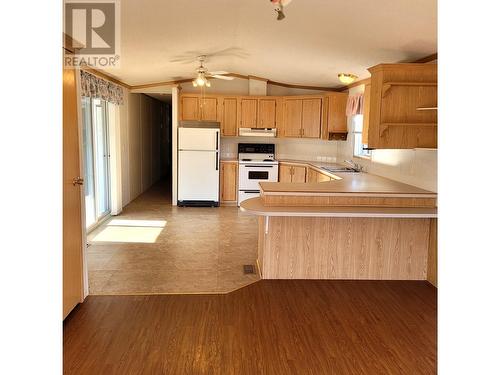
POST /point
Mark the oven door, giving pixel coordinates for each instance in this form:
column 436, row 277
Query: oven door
column 251, row 174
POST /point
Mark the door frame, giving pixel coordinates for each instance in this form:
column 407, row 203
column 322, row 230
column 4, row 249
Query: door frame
column 85, row 276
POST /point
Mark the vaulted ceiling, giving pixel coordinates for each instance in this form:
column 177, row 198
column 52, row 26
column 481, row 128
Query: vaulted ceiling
column 318, row 39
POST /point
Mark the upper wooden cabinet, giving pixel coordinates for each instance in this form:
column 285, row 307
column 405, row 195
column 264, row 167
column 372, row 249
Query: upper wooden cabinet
column 403, row 106
column 335, row 119
column 229, row 123
column 305, row 116
column 302, row 117
column 248, row 113
column 267, row 113
column 292, row 118
column 208, row 109
column 190, row 107
column 258, row 112
column 198, row 108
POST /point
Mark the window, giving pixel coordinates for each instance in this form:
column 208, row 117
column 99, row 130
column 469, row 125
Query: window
column 359, row 147
column 96, row 160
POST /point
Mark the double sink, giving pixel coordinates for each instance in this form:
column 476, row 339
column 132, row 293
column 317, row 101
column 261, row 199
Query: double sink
column 340, row 169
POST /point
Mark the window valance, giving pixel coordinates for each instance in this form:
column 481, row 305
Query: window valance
column 354, row 105
column 95, row 87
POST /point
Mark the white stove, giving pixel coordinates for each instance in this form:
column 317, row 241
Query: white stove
column 256, row 164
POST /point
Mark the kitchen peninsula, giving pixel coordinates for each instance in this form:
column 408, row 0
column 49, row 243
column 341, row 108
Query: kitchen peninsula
column 356, row 226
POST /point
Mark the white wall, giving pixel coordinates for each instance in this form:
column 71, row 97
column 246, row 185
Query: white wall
column 415, row 167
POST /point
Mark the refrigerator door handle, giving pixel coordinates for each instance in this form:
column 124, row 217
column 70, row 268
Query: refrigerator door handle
column 217, row 140
column 217, row 161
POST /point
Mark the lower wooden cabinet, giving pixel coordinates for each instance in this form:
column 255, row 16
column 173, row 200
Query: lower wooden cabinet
column 315, row 176
column 292, row 173
column 228, row 181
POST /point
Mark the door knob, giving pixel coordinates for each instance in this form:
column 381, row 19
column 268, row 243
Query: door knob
column 77, row 181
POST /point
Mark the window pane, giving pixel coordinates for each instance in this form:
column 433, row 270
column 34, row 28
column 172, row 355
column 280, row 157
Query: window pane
column 358, row 123
column 101, row 155
column 88, row 161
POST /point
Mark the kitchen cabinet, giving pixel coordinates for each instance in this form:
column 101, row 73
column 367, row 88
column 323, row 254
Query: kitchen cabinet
column 302, row 117
column 258, row 112
column 335, row 119
column 190, row 108
column 315, row 176
column 267, row 113
column 228, row 181
column 208, row 109
column 198, row 108
column 292, row 173
column 248, row 113
column 229, row 123
column 403, row 106
column 311, row 118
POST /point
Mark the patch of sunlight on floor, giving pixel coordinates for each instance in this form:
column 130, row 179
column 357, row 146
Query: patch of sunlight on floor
column 138, row 223
column 134, row 231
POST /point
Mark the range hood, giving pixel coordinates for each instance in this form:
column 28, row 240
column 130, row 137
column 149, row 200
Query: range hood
column 257, row 132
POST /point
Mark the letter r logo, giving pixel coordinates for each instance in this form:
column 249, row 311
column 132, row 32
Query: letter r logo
column 91, row 26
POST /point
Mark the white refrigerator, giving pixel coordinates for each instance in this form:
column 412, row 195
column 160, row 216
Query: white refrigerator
column 198, row 164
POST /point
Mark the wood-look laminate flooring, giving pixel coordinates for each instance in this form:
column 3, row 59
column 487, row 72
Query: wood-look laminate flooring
column 270, row 327
column 154, row 247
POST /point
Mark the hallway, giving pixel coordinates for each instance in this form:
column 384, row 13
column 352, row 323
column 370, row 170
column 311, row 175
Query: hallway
column 153, row 247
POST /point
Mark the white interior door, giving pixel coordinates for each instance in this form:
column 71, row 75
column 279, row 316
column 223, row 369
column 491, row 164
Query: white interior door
column 198, row 139
column 198, row 176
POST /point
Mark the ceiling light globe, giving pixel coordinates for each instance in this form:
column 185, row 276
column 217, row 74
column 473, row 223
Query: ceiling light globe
column 347, row 78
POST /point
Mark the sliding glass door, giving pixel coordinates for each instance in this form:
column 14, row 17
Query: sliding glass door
column 96, row 159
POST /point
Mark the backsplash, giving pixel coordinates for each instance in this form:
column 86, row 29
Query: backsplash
column 302, row 149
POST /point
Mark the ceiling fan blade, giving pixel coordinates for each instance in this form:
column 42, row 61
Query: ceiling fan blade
column 225, row 78
column 218, row 73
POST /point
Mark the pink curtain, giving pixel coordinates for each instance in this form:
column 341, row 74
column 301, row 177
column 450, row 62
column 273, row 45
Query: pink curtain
column 354, row 105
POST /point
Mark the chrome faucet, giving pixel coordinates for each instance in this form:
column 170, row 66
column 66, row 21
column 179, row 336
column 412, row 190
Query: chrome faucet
column 357, row 167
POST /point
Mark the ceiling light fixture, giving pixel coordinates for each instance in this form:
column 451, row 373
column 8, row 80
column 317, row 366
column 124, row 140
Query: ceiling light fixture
column 347, row 78
column 201, row 80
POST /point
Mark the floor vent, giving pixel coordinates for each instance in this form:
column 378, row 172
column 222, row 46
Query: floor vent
column 248, row 269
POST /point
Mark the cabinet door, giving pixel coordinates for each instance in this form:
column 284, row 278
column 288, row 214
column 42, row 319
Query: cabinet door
column 208, row 109
column 366, row 114
column 229, row 117
column 248, row 113
column 311, row 118
column 285, row 173
column 190, row 108
column 337, row 119
column 298, row 174
column 229, row 173
column 267, row 113
column 293, row 118
column 312, row 175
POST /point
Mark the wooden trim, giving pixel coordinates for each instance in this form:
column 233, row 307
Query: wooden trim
column 258, row 78
column 365, row 81
column 426, row 59
column 304, row 87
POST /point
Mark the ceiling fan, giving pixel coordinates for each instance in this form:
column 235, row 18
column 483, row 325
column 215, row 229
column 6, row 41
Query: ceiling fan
column 203, row 75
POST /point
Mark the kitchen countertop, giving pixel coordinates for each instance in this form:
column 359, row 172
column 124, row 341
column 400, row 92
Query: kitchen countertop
column 256, row 207
column 344, row 183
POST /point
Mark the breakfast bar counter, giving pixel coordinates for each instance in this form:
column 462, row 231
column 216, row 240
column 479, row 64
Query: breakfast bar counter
column 358, row 226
